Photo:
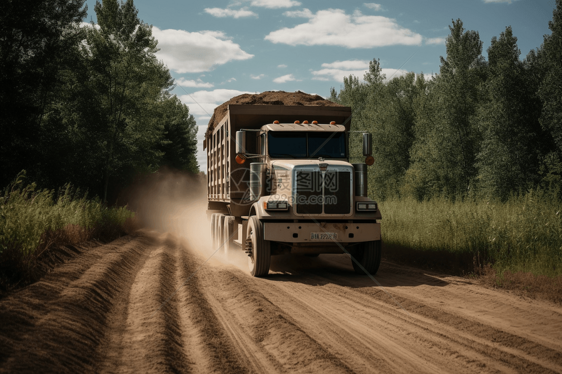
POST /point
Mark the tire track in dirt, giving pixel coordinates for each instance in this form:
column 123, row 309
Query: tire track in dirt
column 358, row 337
column 265, row 329
column 490, row 345
column 65, row 334
column 146, row 336
column 208, row 345
column 519, row 352
column 152, row 304
column 20, row 312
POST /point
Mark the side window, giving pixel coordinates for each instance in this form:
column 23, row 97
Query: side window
column 262, row 144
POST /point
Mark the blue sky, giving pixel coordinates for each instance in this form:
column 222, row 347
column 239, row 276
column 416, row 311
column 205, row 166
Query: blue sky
column 219, row 49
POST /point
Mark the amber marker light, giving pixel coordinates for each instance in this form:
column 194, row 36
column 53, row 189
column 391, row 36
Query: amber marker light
column 333, row 123
column 305, row 122
column 240, row 159
column 314, row 122
column 370, row 160
column 276, row 122
column 297, row 122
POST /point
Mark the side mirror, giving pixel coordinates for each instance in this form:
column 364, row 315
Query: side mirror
column 367, row 144
column 240, row 142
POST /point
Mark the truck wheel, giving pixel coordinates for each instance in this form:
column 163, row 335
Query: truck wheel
column 228, row 233
column 257, row 248
column 219, row 232
column 369, row 256
column 214, row 230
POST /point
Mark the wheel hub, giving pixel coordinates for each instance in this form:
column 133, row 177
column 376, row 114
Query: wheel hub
column 248, row 247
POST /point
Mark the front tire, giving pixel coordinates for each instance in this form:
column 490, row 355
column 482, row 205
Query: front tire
column 260, row 257
column 369, row 256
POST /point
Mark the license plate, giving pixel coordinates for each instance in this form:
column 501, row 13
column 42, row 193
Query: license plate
column 323, row 235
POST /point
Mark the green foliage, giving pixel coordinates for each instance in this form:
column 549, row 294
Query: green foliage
column 27, row 214
column 180, row 136
column 446, row 144
column 550, row 90
column 35, row 37
column 524, row 233
column 509, row 155
column 104, row 114
column 463, row 166
column 472, row 130
column 391, row 122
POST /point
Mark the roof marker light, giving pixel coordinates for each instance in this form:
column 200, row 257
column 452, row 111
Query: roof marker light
column 276, row 122
column 297, row 122
column 314, row 122
column 332, row 122
column 305, row 122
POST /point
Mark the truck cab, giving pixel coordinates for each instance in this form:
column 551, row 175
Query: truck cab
column 301, row 195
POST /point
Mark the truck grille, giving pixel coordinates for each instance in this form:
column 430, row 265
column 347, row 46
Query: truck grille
column 331, row 195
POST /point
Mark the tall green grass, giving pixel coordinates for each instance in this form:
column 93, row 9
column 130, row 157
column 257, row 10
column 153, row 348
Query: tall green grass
column 523, row 233
column 32, row 220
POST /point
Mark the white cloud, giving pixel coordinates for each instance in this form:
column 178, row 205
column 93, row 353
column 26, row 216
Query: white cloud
column 347, row 65
column 88, row 24
column 221, row 13
column 192, row 83
column 435, row 41
column 282, row 66
column 498, row 1
column 201, row 105
column 195, row 52
column 336, row 74
column 335, row 27
column 285, row 78
column 393, row 73
column 275, row 4
column 376, row 7
column 305, row 13
column 338, row 70
column 257, row 76
column 429, row 76
column 231, row 80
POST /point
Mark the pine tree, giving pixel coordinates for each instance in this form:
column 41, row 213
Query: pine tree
column 446, row 144
column 179, row 144
column 550, row 92
column 508, row 160
column 392, row 118
column 127, row 80
column 35, row 37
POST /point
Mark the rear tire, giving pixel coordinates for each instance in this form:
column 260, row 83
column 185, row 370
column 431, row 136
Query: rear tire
column 261, row 252
column 369, row 256
column 214, row 231
column 228, row 233
column 219, row 232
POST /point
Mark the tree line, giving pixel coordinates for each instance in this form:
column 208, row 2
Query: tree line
column 480, row 127
column 83, row 103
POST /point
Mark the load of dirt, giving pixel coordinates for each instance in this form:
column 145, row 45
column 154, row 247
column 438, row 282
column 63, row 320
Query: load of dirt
column 267, row 98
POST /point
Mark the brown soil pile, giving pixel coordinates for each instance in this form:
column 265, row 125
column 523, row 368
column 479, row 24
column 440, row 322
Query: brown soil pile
column 268, row 98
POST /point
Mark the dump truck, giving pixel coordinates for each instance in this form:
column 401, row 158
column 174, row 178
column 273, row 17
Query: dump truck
column 279, row 181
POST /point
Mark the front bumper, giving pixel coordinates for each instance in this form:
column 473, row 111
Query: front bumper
column 303, row 232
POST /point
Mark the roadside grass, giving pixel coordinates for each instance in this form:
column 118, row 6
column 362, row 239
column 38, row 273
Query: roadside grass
column 33, row 222
column 512, row 243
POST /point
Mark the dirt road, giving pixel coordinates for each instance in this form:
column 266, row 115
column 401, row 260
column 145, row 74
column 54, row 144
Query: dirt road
column 151, row 304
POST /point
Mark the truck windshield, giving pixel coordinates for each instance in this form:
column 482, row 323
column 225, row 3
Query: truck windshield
column 286, row 144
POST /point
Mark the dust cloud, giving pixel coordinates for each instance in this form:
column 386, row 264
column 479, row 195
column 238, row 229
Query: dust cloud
column 176, row 202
